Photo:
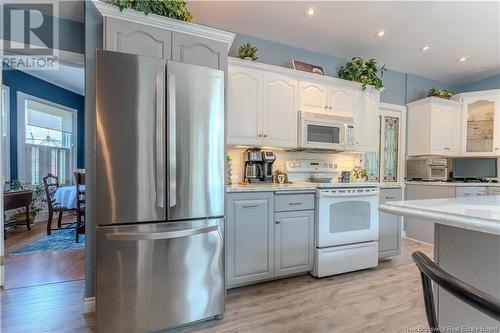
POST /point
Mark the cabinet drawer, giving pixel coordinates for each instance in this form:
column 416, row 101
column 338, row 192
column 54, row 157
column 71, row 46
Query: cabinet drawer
column 390, row 194
column 288, row 202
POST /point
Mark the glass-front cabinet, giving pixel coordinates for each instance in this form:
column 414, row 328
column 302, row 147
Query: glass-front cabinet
column 392, row 144
column 481, row 130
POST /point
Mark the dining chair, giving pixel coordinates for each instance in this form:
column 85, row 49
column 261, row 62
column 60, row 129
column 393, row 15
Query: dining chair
column 51, row 184
column 80, row 204
column 430, row 272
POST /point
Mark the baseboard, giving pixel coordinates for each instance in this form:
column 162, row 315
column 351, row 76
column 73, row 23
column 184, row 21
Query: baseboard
column 88, row 304
column 418, row 241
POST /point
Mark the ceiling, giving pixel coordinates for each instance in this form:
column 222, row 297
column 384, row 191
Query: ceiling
column 347, row 29
column 70, row 77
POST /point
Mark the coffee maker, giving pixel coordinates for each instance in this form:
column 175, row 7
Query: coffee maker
column 259, row 166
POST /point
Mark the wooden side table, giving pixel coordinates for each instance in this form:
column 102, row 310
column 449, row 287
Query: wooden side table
column 18, row 199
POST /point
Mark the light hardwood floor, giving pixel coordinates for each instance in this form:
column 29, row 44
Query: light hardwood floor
column 36, row 268
column 385, row 299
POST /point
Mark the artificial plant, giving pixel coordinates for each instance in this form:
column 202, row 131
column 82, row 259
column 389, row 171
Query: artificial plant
column 247, row 50
column 175, row 9
column 441, row 93
column 363, row 71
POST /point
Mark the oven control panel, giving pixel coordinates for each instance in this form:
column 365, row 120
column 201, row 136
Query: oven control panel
column 352, row 191
column 311, row 166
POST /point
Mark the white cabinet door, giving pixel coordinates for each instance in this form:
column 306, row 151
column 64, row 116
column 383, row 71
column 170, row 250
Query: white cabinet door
column 312, row 97
column 134, row 38
column 341, row 101
column 481, row 125
column 367, row 121
column 280, row 111
column 244, row 106
column 389, row 238
column 445, row 130
column 250, row 238
column 294, row 235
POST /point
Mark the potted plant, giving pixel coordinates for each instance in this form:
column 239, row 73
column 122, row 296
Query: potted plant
column 247, row 52
column 360, row 174
column 38, row 202
column 362, row 71
column 441, row 93
column 175, row 9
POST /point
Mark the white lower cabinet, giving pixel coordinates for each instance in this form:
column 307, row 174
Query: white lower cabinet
column 262, row 244
column 389, row 238
column 294, row 242
column 470, row 191
column 249, row 238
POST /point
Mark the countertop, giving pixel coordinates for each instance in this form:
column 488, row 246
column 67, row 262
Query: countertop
column 297, row 186
column 455, row 184
column 472, row 213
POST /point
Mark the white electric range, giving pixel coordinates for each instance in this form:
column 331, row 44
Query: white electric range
column 346, row 221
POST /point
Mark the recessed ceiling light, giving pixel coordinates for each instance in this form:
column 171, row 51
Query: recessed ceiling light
column 426, row 48
column 462, row 59
column 380, row 33
column 310, row 11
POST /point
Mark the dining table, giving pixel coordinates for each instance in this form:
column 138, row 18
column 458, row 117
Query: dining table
column 66, row 196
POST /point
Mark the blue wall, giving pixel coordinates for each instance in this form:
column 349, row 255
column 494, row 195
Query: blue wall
column 492, row 82
column 20, row 81
column 400, row 88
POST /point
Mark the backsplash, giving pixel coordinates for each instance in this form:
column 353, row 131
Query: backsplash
column 345, row 161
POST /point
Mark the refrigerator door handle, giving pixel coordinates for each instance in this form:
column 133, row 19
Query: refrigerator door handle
column 172, row 135
column 160, row 140
column 135, row 236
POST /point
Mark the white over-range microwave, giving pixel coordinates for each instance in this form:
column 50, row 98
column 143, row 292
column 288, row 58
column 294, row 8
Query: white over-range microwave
column 319, row 131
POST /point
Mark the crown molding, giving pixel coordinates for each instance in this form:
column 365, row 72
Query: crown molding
column 163, row 22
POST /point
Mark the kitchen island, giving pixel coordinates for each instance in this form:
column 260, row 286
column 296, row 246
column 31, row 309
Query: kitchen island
column 466, row 245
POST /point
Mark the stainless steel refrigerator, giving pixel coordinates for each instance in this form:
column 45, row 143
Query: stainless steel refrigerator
column 159, row 168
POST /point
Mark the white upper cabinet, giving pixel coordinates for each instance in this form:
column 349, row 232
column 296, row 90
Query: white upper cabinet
column 313, row 97
column 445, row 138
column 480, row 123
column 262, row 108
column 333, row 99
column 341, row 101
column 434, row 127
column 280, row 111
column 263, row 103
column 366, row 118
column 244, row 105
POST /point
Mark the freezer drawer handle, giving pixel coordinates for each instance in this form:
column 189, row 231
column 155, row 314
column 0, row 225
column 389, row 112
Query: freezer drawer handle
column 135, row 236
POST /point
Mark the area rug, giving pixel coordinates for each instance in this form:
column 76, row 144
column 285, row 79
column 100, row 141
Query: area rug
column 63, row 239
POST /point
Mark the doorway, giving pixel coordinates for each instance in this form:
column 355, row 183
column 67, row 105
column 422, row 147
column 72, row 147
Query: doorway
column 42, row 136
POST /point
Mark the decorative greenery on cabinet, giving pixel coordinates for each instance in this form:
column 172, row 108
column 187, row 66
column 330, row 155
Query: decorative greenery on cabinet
column 247, row 51
column 363, row 71
column 175, row 9
column 441, row 93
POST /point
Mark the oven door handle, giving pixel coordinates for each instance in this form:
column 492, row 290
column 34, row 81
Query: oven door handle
column 339, row 195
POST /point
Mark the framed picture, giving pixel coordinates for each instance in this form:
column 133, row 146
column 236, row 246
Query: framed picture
column 305, row 67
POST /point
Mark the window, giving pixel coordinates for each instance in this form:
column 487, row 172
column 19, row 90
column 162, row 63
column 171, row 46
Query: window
column 5, row 108
column 47, row 135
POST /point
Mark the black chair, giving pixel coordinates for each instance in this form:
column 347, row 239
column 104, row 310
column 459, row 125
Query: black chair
column 429, row 272
column 51, row 184
column 80, row 204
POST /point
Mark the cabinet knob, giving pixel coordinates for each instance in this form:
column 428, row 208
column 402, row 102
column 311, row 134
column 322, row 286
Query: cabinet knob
column 265, row 135
column 278, row 221
column 260, row 135
column 330, row 107
column 496, row 148
column 326, row 107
